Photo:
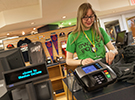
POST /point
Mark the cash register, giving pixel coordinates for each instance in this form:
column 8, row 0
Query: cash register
column 94, row 76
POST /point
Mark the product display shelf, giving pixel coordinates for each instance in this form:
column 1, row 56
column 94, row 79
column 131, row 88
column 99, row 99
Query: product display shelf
column 56, row 74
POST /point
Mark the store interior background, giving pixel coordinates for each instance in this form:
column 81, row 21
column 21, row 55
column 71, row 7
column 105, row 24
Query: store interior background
column 20, row 18
column 25, row 16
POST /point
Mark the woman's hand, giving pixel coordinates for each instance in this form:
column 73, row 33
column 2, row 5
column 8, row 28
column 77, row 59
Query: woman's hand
column 111, row 54
column 87, row 61
column 109, row 57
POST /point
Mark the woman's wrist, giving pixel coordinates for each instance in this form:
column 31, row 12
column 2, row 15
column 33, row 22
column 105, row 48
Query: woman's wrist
column 114, row 51
column 81, row 61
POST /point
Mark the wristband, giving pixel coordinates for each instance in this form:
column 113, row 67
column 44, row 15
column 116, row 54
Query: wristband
column 81, row 62
column 114, row 51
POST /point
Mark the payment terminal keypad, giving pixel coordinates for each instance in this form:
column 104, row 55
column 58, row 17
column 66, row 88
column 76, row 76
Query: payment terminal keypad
column 100, row 78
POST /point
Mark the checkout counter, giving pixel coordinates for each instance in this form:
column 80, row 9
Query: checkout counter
column 116, row 90
column 119, row 90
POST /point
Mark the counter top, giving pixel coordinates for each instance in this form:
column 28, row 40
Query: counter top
column 116, row 91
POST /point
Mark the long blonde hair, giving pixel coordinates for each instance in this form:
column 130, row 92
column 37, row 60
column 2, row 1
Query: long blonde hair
column 82, row 11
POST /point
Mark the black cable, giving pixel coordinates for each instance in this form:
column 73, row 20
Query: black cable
column 71, row 70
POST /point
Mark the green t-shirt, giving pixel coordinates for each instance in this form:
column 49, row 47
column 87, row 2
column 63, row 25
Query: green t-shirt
column 83, row 47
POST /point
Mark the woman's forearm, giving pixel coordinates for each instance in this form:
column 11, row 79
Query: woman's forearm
column 73, row 62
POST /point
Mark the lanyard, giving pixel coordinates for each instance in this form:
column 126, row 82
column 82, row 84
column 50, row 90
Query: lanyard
column 93, row 44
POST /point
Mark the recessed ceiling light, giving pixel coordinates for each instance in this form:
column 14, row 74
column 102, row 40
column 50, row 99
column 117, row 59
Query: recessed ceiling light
column 64, row 17
column 7, row 33
column 23, row 33
column 34, row 28
column 32, row 23
column 69, row 23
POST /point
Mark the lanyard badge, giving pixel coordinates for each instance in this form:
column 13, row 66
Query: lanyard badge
column 94, row 49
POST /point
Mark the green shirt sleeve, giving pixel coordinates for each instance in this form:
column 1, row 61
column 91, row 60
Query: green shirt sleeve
column 70, row 44
column 106, row 37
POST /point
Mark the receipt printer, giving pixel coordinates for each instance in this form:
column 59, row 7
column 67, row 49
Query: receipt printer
column 94, row 76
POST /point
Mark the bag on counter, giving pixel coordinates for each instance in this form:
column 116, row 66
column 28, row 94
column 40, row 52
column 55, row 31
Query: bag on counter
column 125, row 71
column 129, row 53
column 124, row 64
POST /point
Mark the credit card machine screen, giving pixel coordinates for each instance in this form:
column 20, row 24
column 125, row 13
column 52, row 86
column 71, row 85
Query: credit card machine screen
column 91, row 68
column 94, row 76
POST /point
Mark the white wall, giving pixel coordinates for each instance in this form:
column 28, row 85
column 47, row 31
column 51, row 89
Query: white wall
column 16, row 15
column 2, row 20
column 121, row 17
column 95, row 4
column 112, row 4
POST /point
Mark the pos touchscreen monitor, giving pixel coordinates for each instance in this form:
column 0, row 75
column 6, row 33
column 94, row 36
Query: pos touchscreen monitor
column 121, row 37
column 24, row 75
column 11, row 59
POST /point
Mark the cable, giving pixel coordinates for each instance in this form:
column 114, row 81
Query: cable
column 70, row 70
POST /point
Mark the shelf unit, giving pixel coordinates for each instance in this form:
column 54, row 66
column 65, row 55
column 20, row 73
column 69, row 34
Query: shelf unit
column 55, row 69
column 56, row 75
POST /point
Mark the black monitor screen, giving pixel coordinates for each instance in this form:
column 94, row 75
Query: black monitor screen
column 121, row 37
column 24, row 75
column 11, row 59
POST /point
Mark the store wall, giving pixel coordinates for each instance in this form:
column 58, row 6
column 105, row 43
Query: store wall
column 2, row 21
column 15, row 15
column 121, row 17
column 113, row 4
column 41, row 37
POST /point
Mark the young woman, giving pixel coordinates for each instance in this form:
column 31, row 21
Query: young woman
column 88, row 40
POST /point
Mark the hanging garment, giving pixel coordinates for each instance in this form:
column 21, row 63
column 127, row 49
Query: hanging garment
column 48, row 44
column 36, row 53
column 54, row 38
column 23, row 44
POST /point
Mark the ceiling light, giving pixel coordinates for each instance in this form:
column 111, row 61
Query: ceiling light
column 69, row 23
column 32, row 23
column 7, row 33
column 23, row 33
column 34, row 28
column 64, row 17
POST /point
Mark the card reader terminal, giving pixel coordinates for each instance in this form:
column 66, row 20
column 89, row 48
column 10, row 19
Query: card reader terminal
column 94, row 76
